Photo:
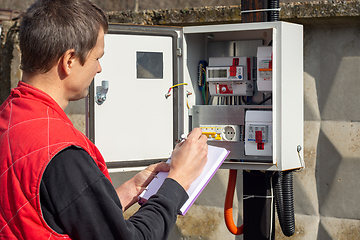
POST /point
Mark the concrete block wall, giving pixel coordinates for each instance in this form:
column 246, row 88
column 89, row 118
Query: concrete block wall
column 326, row 193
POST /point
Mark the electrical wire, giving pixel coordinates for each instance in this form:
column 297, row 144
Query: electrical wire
column 204, row 88
column 228, row 206
column 187, row 99
column 180, row 84
column 177, row 85
column 168, row 93
column 255, row 103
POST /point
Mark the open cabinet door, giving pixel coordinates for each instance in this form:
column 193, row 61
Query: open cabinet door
column 135, row 123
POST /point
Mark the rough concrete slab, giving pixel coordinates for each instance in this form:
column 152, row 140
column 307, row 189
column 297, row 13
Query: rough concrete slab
column 340, row 229
column 302, row 12
column 76, row 113
column 311, row 105
column 332, row 59
column 306, row 227
column 186, row 16
column 214, row 193
column 202, row 222
column 320, row 9
column 10, row 73
column 338, row 164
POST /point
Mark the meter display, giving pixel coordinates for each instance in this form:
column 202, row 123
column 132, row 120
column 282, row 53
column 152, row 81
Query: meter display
column 217, row 73
column 235, row 73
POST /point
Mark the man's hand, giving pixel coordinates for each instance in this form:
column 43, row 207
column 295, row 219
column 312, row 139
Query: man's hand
column 143, row 178
column 187, row 162
column 189, row 158
column 129, row 191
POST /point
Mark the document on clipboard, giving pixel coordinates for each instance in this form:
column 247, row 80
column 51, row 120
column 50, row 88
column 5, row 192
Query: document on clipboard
column 216, row 156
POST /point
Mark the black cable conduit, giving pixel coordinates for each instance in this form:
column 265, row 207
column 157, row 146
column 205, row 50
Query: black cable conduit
column 273, row 15
column 283, row 186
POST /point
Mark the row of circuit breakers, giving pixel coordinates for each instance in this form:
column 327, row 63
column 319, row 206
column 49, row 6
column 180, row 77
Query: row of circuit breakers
column 243, row 76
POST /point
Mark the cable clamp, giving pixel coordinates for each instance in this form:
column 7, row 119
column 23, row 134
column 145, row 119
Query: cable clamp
column 261, row 10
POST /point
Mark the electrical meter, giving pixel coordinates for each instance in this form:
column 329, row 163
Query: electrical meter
column 230, row 76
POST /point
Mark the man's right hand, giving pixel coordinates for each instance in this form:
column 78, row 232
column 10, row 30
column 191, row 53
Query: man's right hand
column 189, row 158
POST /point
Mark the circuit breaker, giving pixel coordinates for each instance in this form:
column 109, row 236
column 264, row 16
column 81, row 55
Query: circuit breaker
column 264, row 70
column 258, row 133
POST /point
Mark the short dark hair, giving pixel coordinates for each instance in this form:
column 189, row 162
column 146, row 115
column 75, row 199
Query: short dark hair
column 51, row 27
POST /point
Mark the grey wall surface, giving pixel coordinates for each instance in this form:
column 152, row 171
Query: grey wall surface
column 327, row 192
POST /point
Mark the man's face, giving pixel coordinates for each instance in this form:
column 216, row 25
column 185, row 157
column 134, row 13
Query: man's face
column 82, row 76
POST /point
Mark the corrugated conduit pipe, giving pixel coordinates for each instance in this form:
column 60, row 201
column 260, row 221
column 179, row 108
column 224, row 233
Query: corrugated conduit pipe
column 274, row 15
column 228, row 209
column 283, row 186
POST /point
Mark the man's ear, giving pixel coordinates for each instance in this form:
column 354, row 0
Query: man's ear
column 68, row 61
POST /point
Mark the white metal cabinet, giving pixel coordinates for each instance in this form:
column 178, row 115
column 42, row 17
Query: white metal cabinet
column 138, row 106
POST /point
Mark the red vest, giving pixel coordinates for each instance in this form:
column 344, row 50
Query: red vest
column 33, row 129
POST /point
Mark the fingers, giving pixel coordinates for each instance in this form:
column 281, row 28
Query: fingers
column 194, row 135
column 189, row 158
column 162, row 167
column 158, row 167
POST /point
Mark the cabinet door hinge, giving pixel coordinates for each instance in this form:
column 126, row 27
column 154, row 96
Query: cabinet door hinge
column 179, row 52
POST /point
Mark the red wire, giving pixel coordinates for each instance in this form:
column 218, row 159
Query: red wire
column 228, row 208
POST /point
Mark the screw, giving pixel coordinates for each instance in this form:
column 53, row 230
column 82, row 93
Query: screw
column 299, row 148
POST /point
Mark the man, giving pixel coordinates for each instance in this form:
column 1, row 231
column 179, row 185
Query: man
column 54, row 182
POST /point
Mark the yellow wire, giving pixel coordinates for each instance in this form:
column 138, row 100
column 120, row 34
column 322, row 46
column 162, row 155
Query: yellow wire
column 179, row 85
column 187, row 102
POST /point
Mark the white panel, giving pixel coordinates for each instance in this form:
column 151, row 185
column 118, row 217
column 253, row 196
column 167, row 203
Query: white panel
column 276, row 99
column 292, row 93
column 136, row 120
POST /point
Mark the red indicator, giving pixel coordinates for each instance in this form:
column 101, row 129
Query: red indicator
column 233, row 67
column 258, row 140
column 224, row 89
column 233, row 71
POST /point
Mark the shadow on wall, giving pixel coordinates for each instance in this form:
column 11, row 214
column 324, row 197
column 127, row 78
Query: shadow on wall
column 331, row 55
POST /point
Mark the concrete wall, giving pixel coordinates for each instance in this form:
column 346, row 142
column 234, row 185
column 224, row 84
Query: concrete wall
column 327, row 191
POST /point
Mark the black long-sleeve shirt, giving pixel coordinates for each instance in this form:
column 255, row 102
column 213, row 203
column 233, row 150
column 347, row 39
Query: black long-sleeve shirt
column 77, row 199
